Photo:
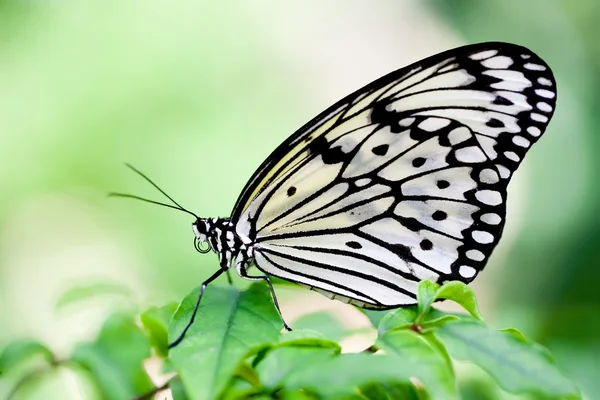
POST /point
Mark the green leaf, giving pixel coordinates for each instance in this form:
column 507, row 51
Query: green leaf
column 296, row 395
column 283, row 362
column 517, row 334
column 18, row 351
column 307, row 338
column 229, row 325
column 407, row 355
column 426, row 292
column 244, row 384
column 375, row 316
column 389, row 391
column 397, row 319
column 296, row 338
column 247, row 373
column 177, row 390
column 115, row 358
column 437, row 322
column 257, row 353
column 156, row 322
column 517, row 365
column 404, row 318
column 428, row 358
column 441, row 349
column 80, row 293
column 341, row 375
column 462, row 294
column 459, row 292
column 239, row 389
column 437, row 317
column 323, row 322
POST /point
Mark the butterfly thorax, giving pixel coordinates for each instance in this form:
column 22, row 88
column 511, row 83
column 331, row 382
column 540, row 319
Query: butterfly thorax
column 221, row 237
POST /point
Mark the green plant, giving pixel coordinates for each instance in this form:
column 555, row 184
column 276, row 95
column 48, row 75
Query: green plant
column 236, row 350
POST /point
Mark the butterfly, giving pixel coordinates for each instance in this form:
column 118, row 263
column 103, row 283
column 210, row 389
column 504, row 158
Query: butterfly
column 401, row 181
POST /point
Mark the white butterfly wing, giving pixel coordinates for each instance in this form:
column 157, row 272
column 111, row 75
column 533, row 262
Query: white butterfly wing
column 403, row 180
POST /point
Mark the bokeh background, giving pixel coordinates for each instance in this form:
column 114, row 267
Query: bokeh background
column 196, row 94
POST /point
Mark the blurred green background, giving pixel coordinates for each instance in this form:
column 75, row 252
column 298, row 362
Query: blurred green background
column 197, row 94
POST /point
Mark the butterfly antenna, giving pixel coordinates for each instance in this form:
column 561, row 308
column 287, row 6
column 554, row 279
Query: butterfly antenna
column 177, row 206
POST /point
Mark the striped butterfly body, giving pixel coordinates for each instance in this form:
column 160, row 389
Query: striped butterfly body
column 401, row 181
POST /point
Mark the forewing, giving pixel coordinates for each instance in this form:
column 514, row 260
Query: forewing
column 401, row 181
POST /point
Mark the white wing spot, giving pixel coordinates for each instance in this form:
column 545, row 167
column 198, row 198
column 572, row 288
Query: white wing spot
column 525, row 56
column 470, row 154
column 487, row 144
column 521, row 141
column 434, row 124
column 362, row 182
column 498, row 62
column 504, row 172
column 534, row 67
column 483, row 55
column 482, row 237
column 467, row 272
column 458, row 135
column 489, row 197
column 406, row 121
column 534, row 131
column 491, row 218
column 539, row 117
column 475, row 255
column 544, row 93
column 510, row 80
column 544, row 106
column 488, row 175
column 545, row 81
column 511, row 155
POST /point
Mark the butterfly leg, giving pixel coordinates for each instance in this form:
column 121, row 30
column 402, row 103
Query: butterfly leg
column 243, row 274
column 191, row 321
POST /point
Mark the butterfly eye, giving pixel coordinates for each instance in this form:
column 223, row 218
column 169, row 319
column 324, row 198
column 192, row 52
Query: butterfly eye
column 200, row 230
